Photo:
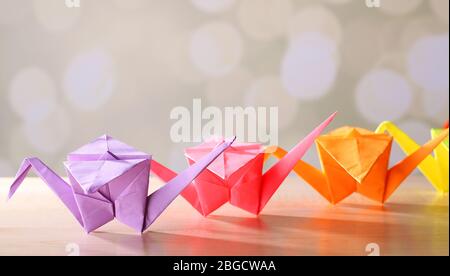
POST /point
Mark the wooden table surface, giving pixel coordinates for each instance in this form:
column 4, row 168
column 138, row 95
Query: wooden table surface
column 297, row 221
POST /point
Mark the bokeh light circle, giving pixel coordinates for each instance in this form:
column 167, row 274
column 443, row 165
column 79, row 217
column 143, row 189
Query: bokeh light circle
column 310, row 66
column 32, row 94
column 383, row 94
column 89, row 80
column 216, row 48
column 428, row 62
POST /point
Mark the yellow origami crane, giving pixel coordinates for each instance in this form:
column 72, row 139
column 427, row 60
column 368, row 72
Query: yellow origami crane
column 357, row 160
column 435, row 169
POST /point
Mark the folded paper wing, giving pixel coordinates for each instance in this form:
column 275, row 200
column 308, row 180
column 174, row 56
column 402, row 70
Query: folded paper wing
column 160, row 200
column 435, row 169
column 237, row 175
column 356, row 160
column 60, row 187
column 110, row 179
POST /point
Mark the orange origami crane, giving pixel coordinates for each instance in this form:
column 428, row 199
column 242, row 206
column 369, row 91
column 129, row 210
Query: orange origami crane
column 357, row 160
column 237, row 175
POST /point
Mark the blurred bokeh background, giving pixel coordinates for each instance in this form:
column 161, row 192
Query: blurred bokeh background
column 68, row 75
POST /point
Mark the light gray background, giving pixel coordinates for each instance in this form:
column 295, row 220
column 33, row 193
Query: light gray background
column 68, row 75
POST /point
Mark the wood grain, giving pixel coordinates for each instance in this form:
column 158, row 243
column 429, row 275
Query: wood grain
column 297, row 221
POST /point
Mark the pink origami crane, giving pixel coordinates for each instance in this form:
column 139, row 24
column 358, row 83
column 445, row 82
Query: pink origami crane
column 110, row 179
column 237, row 175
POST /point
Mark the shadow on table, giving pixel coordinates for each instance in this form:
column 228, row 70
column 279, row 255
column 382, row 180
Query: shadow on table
column 402, row 208
column 346, row 230
column 154, row 243
column 355, row 230
column 324, row 226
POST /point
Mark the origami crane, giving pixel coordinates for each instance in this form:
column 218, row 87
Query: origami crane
column 110, row 179
column 237, row 175
column 357, row 160
column 435, row 169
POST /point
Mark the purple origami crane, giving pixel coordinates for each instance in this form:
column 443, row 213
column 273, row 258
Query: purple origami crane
column 109, row 179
